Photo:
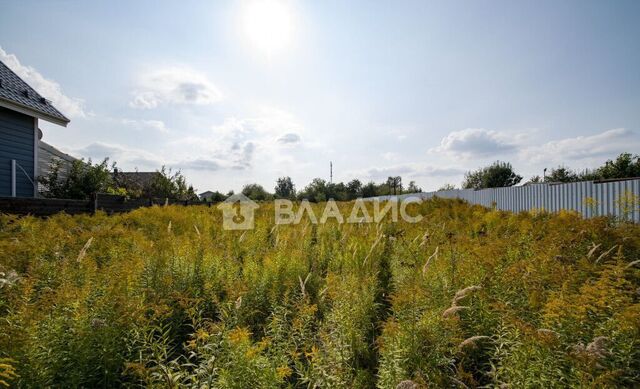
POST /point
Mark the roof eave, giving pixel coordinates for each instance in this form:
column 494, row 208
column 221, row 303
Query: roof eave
column 32, row 112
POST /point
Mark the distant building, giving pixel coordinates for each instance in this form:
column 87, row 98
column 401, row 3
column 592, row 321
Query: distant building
column 206, row 195
column 49, row 156
column 214, row 197
column 21, row 107
column 135, row 181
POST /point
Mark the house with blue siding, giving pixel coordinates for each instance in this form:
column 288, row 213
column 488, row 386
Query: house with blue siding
column 21, row 107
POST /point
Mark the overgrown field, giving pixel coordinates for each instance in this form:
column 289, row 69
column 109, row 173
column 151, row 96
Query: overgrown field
column 164, row 297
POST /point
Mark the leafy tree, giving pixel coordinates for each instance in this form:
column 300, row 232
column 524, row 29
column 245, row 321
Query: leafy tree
column 256, row 192
column 316, row 191
column 535, row 180
column 625, row 166
column 337, row 191
column 370, row 189
column 497, row 175
column 394, row 184
column 447, row 187
column 173, row 186
column 284, row 188
column 413, row 188
column 561, row 174
column 354, row 189
column 84, row 179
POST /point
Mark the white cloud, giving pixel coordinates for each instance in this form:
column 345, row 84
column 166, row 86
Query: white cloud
column 289, row 138
column 174, row 85
column 198, row 164
column 129, row 158
column 146, row 125
column 236, row 142
column 410, row 170
column 606, row 144
column 49, row 89
column 476, row 142
column 126, row 157
column 390, row 156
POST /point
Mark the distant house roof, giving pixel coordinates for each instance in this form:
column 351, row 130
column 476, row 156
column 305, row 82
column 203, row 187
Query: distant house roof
column 135, row 179
column 17, row 95
column 206, row 193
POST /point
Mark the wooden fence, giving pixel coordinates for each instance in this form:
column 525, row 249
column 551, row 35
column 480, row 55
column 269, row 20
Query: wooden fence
column 100, row 202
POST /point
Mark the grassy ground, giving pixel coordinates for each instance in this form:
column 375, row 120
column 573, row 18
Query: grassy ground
column 164, row 297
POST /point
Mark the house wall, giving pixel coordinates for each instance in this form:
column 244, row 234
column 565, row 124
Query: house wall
column 17, row 142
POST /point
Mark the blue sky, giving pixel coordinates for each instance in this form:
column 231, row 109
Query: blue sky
column 240, row 92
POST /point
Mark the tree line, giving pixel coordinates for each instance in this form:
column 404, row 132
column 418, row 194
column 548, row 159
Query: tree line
column 501, row 174
column 85, row 178
column 319, row 190
column 498, row 174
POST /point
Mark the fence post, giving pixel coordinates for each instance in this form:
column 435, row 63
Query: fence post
column 94, row 203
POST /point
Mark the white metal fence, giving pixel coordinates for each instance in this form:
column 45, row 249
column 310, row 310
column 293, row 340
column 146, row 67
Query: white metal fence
column 619, row 198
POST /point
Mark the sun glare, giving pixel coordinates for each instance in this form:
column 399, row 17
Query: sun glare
column 268, row 24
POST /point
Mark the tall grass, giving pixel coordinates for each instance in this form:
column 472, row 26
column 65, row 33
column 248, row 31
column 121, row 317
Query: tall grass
column 164, row 297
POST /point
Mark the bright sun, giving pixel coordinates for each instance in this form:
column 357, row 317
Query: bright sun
column 268, row 24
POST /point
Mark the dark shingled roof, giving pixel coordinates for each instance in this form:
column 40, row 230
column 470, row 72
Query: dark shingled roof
column 137, row 180
column 18, row 95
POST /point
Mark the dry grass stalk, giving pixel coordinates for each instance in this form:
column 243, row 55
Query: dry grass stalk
column 98, row 323
column 595, row 350
column 631, row 264
column 407, row 384
column 373, row 246
column 593, row 249
column 425, row 238
column 303, row 284
column 548, row 332
column 8, row 279
column 597, row 347
column 472, row 341
column 426, row 264
column 169, row 227
column 83, row 252
column 462, row 293
column 197, row 230
column 606, row 253
column 453, row 311
column 459, row 383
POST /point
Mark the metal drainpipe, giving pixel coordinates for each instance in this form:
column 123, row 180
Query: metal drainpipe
column 13, row 178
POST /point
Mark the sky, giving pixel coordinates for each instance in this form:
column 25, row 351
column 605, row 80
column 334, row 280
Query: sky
column 232, row 93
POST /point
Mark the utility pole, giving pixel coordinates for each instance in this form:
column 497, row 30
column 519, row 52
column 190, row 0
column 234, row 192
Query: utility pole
column 330, row 172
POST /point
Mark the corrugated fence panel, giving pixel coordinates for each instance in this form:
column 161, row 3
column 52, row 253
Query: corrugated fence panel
column 589, row 198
